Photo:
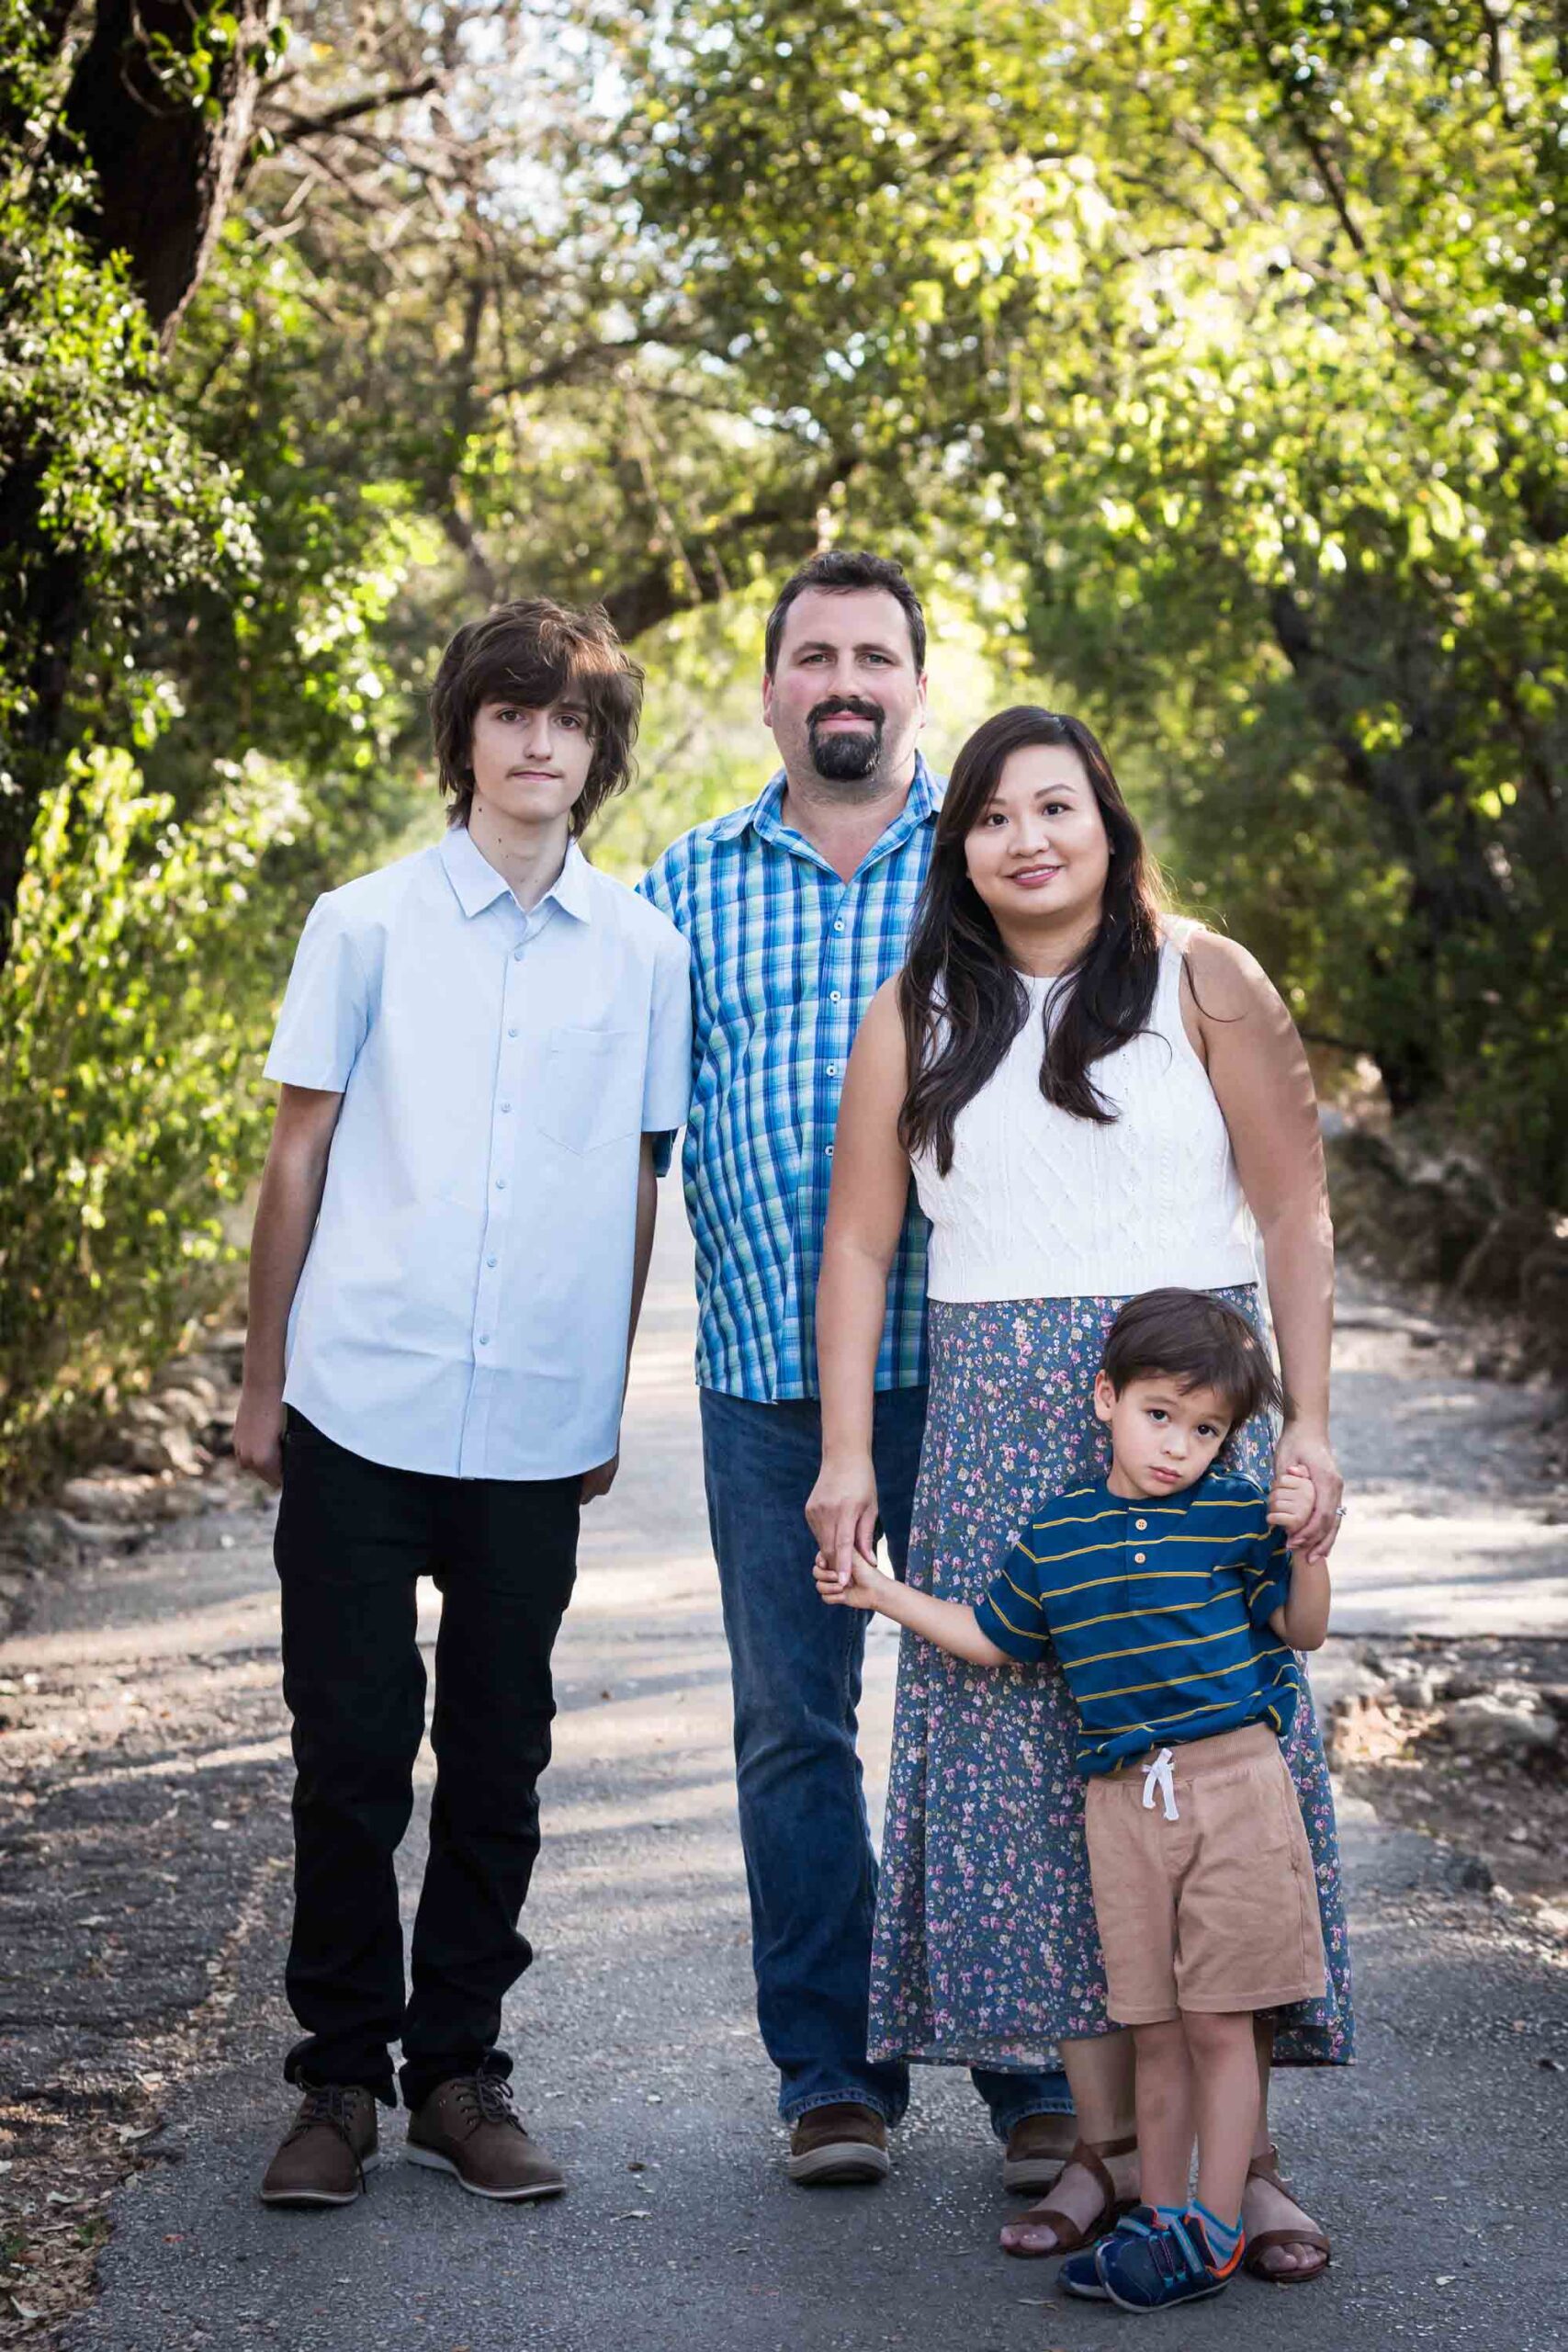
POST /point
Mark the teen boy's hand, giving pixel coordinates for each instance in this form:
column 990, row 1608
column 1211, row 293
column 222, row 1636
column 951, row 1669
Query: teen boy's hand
column 1292, row 1501
column 599, row 1482
column 258, row 1435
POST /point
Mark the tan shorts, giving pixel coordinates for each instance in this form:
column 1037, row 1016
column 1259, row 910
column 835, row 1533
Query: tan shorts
column 1216, row 1910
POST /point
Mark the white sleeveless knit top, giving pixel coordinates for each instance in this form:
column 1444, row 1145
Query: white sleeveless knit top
column 1040, row 1204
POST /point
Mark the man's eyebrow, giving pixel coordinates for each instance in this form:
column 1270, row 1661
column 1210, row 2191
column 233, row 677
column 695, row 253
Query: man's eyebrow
column 827, row 644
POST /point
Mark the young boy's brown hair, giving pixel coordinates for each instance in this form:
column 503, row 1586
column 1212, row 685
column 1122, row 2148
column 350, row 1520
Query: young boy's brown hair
column 534, row 652
column 1196, row 1341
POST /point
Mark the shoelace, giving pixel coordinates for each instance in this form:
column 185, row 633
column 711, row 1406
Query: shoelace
column 328, row 2104
column 489, row 2098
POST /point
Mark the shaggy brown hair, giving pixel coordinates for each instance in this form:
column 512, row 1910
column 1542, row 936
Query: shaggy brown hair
column 534, row 652
column 1198, row 1341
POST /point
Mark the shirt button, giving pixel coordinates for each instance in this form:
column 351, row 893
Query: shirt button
column 1138, row 1558
column 833, row 996
column 493, row 1259
column 506, row 1106
column 501, row 1184
column 512, row 1033
column 518, row 954
column 829, row 1151
column 838, row 926
column 484, row 1339
column 1139, row 1524
column 832, row 1070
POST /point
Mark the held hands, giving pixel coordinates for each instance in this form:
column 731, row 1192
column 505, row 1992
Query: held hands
column 855, row 1587
column 1305, row 1453
column 1291, row 1501
column 841, row 1514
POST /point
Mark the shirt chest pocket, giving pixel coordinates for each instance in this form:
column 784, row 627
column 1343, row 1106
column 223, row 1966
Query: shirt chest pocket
column 591, row 1094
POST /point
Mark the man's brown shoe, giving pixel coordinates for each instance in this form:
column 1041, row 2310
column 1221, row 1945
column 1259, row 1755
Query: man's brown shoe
column 1037, row 2148
column 468, row 2127
column 830, row 2146
column 327, row 2150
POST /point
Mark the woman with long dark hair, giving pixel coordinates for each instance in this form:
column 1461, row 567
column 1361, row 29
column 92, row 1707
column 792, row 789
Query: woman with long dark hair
column 1094, row 1099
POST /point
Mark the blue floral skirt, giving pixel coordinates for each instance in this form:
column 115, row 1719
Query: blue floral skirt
column 986, row 1951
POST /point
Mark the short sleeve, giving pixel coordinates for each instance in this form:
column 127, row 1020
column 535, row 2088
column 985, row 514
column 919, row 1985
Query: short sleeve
column 326, row 1007
column 667, row 1078
column 655, row 888
column 1266, row 1575
column 1010, row 1611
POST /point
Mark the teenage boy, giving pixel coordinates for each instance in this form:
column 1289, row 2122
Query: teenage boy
column 482, row 1049
column 1168, row 1595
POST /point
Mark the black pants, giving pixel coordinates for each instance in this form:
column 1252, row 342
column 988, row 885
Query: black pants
column 353, row 1540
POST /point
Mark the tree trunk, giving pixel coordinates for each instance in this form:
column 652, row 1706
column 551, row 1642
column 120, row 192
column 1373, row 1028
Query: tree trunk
column 164, row 167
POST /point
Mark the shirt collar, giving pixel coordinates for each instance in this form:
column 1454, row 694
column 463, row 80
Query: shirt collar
column 1182, row 1500
column 762, row 815
column 476, row 883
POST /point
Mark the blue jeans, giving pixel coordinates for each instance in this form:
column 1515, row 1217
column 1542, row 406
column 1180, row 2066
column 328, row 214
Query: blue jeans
column 796, row 1670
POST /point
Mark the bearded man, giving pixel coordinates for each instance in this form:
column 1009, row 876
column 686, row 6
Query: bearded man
column 797, row 909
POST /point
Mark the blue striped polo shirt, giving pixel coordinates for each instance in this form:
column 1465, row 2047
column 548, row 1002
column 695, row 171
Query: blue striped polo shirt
column 1158, row 1613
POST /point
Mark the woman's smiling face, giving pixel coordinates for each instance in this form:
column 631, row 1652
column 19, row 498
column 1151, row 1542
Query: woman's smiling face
column 1037, row 853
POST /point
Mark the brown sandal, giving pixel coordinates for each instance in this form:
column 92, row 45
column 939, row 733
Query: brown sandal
column 1266, row 2168
column 1070, row 2237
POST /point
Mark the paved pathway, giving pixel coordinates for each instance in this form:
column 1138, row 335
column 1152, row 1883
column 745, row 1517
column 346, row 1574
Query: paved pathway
column 637, row 2049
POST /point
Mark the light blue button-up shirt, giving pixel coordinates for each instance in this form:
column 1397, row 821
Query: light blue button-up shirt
column 465, row 1304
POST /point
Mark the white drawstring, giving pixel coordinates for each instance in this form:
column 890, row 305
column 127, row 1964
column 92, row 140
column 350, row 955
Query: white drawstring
column 1157, row 1775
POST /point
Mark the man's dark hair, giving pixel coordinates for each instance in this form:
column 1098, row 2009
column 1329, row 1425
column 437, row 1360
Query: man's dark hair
column 840, row 570
column 534, row 652
column 1198, row 1342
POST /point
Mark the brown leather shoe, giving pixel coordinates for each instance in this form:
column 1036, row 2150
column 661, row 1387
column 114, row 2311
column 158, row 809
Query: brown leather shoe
column 830, row 2146
column 470, row 2128
column 1037, row 2148
column 327, row 2150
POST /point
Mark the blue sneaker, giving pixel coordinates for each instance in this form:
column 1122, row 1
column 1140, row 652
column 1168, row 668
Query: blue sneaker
column 1145, row 2269
column 1078, row 2275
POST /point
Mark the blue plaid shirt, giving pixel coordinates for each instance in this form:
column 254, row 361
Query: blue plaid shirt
column 785, row 957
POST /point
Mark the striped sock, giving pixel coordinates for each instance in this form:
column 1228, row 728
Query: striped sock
column 1168, row 2213
column 1225, row 2239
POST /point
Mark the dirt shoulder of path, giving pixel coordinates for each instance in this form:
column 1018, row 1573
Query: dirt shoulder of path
column 1467, row 1740
column 143, row 1830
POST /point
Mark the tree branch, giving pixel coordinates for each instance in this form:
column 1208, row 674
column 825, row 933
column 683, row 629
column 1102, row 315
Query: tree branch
column 778, row 528
column 319, row 126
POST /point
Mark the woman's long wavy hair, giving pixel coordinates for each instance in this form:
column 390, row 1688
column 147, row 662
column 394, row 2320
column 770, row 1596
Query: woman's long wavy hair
column 962, row 1003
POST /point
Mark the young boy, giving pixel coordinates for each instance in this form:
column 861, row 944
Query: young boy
column 481, row 1050
column 1167, row 1596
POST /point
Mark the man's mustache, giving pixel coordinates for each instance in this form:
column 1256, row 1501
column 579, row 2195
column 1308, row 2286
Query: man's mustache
column 847, row 706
